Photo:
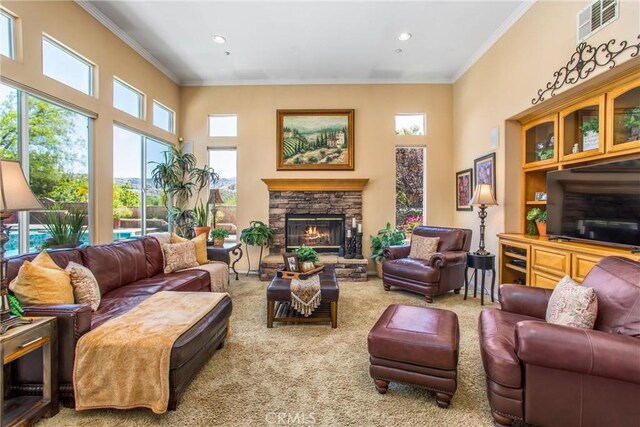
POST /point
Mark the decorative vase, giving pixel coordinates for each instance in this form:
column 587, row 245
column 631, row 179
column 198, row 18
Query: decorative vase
column 202, row 230
column 307, row 266
column 379, row 268
column 218, row 241
column 542, row 228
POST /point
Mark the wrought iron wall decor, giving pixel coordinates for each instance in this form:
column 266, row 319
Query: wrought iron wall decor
column 583, row 62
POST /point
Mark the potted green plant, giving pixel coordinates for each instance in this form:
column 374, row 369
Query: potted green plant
column 218, row 235
column 179, row 178
column 307, row 257
column 257, row 234
column 385, row 238
column 590, row 133
column 539, row 217
column 201, row 214
column 631, row 121
column 66, row 228
column 119, row 213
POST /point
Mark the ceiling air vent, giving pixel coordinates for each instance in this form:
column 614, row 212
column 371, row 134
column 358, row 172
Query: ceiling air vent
column 596, row 16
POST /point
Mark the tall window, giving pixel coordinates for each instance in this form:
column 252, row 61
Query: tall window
column 67, row 67
column 224, row 162
column 223, row 125
column 6, row 35
column 138, row 206
column 54, row 152
column 411, row 124
column 410, row 186
column 127, row 99
column 163, row 117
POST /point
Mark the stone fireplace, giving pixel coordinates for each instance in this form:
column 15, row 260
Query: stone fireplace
column 324, row 232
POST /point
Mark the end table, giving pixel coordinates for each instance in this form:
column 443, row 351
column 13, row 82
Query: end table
column 15, row 343
column 482, row 263
column 223, row 254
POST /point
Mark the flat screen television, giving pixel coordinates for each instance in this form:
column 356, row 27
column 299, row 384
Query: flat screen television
column 599, row 203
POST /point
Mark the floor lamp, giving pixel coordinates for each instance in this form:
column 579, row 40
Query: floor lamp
column 15, row 196
column 215, row 198
column 483, row 198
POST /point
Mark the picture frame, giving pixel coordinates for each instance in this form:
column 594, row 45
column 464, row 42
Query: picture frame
column 540, row 196
column 291, row 262
column 484, row 171
column 464, row 190
column 315, row 139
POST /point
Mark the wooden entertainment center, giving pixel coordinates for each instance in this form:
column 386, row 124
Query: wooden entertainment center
column 588, row 127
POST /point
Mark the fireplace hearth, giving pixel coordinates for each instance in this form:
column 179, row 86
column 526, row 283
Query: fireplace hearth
column 323, row 232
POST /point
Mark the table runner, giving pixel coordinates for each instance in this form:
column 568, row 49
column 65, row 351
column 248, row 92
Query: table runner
column 305, row 295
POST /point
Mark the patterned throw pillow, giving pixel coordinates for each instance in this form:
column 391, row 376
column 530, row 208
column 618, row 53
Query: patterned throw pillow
column 85, row 286
column 423, row 247
column 178, row 256
column 572, row 305
column 201, row 246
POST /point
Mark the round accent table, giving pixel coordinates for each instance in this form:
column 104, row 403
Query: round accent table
column 482, row 263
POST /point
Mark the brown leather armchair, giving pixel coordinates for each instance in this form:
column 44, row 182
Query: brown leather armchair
column 443, row 272
column 552, row 375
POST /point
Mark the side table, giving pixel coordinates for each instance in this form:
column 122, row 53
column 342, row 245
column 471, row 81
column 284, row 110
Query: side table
column 223, row 254
column 482, row 263
column 15, row 343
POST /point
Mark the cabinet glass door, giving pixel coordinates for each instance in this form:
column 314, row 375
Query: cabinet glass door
column 624, row 118
column 582, row 129
column 540, row 141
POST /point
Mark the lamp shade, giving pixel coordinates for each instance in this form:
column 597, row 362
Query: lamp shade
column 15, row 193
column 483, row 196
column 215, row 198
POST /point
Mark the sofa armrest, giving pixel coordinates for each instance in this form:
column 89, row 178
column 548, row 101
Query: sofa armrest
column 397, row 252
column 594, row 352
column 524, row 300
column 447, row 259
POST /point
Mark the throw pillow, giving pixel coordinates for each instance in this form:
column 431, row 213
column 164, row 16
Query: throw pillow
column 178, row 256
column 201, row 246
column 36, row 284
column 84, row 284
column 572, row 305
column 423, row 247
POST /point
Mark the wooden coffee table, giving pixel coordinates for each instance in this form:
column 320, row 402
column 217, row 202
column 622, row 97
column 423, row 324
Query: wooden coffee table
column 279, row 301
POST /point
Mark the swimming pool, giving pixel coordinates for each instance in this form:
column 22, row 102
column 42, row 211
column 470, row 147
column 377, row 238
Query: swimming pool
column 38, row 236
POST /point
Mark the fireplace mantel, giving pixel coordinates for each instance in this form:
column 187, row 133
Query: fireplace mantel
column 307, row 184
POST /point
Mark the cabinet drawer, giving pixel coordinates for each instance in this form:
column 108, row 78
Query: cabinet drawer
column 581, row 264
column 551, row 261
column 544, row 280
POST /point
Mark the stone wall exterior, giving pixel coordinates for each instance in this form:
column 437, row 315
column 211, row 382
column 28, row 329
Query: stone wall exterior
column 348, row 203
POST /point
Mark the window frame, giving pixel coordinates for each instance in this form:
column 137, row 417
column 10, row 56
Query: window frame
column 172, row 127
column 227, row 148
column 210, row 116
column 141, row 100
column 12, row 33
column 424, row 123
column 62, row 47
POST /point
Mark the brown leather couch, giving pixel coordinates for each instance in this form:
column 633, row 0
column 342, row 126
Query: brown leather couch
column 443, row 272
column 552, row 375
column 127, row 273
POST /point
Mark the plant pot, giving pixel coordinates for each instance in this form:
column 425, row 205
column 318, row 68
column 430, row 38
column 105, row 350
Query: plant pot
column 379, row 268
column 218, row 241
column 542, row 228
column 307, row 266
column 202, row 230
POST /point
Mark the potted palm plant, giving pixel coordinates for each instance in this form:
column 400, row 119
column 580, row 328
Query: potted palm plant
column 257, row 234
column 66, row 228
column 385, row 238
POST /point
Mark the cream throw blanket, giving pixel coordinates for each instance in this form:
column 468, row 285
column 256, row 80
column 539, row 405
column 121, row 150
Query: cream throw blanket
column 306, row 295
column 124, row 363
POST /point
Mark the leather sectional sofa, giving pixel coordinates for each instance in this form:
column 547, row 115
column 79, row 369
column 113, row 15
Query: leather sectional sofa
column 127, row 273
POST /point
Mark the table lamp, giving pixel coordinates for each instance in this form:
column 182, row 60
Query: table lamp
column 215, row 198
column 15, row 196
column 483, row 197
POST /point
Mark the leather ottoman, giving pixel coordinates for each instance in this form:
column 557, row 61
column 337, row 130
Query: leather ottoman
column 417, row 346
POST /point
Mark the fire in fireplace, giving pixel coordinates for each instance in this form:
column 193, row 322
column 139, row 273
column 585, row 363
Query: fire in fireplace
column 324, row 233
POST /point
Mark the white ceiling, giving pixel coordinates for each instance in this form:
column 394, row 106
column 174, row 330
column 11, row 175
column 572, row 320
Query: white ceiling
column 291, row 42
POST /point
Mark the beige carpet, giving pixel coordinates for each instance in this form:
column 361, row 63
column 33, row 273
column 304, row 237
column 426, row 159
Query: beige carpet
column 311, row 374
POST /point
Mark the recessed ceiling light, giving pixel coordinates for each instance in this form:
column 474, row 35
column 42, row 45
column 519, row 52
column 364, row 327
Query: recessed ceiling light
column 398, row 50
column 404, row 36
column 227, row 53
column 219, row 39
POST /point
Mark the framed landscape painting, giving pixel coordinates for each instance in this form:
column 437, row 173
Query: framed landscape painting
column 315, row 140
column 485, row 171
column 464, row 190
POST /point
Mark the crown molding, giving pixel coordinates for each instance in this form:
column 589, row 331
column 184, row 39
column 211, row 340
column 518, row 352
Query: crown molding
column 215, row 82
column 119, row 32
column 499, row 32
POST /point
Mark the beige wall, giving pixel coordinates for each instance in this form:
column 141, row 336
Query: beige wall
column 375, row 139
column 69, row 24
column 501, row 85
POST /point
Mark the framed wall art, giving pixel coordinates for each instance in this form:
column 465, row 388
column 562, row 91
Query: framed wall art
column 315, row 140
column 464, row 190
column 484, row 171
